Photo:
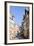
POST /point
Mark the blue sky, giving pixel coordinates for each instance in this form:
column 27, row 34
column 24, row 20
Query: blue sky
column 18, row 12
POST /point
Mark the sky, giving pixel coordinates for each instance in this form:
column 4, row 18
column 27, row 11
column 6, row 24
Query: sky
column 18, row 12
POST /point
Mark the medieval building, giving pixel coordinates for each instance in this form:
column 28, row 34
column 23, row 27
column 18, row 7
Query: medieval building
column 24, row 34
column 13, row 28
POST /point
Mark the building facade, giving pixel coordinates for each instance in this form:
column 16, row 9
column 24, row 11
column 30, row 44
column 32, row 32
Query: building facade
column 26, row 25
column 24, row 34
column 13, row 28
